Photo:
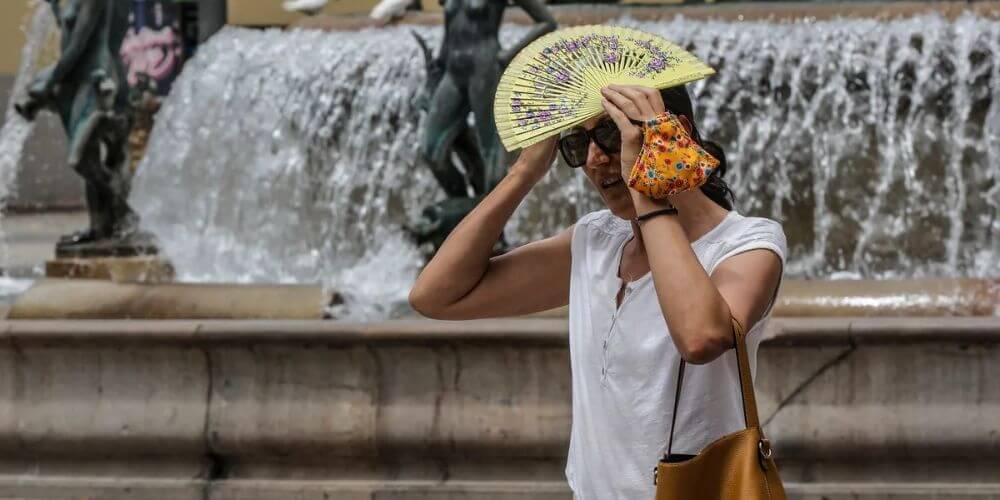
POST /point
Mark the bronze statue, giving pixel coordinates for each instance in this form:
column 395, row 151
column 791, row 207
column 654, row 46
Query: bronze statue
column 462, row 79
column 86, row 87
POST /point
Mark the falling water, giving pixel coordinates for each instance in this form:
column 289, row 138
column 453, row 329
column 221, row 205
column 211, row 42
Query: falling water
column 16, row 129
column 291, row 156
column 874, row 142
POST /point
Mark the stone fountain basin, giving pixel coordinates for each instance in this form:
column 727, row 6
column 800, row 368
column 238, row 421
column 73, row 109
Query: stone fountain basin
column 99, row 299
column 902, row 405
column 858, row 408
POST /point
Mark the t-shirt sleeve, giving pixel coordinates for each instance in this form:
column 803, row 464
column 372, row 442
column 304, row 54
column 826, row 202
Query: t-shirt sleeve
column 579, row 239
column 758, row 233
column 581, row 227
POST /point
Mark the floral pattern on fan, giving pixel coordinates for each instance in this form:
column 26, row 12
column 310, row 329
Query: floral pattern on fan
column 609, row 49
column 555, row 82
column 660, row 61
column 536, row 117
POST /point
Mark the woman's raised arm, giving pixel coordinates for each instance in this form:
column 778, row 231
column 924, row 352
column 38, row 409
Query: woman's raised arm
column 462, row 281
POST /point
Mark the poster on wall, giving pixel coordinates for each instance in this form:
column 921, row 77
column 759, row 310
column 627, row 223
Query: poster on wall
column 163, row 33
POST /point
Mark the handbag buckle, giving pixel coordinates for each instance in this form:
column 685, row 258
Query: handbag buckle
column 764, row 448
column 656, row 474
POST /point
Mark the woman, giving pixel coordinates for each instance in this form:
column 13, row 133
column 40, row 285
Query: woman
column 641, row 294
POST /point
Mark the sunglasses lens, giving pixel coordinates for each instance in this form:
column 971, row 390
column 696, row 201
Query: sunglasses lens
column 574, row 148
column 608, row 137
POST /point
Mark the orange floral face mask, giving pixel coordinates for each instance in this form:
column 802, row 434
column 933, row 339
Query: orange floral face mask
column 670, row 161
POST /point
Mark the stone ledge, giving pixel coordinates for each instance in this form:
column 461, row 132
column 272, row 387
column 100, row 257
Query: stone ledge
column 528, row 331
column 878, row 331
column 84, row 299
column 871, row 298
column 78, row 487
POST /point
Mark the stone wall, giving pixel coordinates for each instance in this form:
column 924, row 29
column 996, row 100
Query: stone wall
column 873, row 408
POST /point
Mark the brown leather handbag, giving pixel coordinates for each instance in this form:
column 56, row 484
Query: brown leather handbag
column 736, row 466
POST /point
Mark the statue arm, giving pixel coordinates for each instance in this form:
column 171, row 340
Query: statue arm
column 544, row 23
column 88, row 20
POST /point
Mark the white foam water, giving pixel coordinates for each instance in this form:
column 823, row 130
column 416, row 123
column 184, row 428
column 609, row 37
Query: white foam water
column 16, row 130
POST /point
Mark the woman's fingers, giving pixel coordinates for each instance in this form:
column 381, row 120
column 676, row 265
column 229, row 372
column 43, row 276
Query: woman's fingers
column 537, row 159
column 631, row 137
column 648, row 100
column 623, row 103
column 644, row 101
column 653, row 96
column 620, row 118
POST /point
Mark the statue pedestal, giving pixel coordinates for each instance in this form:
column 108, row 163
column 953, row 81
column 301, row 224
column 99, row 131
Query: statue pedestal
column 137, row 269
column 132, row 258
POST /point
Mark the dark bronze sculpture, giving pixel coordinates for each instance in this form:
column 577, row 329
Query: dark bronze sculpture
column 86, row 87
column 462, row 79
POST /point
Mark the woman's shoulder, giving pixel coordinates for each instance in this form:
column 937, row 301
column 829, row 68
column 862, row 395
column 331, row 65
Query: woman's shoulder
column 758, row 227
column 599, row 231
column 602, row 221
column 748, row 233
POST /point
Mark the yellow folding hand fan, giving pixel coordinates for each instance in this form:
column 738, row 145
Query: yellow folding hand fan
column 555, row 82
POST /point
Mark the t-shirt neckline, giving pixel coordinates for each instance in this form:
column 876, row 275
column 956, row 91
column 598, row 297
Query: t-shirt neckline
column 645, row 277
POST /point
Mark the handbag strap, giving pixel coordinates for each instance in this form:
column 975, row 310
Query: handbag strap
column 750, row 416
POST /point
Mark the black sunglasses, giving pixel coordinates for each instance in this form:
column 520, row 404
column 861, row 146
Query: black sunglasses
column 574, row 145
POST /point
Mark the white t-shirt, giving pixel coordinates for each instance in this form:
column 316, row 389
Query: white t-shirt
column 624, row 365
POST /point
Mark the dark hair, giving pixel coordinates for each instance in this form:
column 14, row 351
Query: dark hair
column 678, row 102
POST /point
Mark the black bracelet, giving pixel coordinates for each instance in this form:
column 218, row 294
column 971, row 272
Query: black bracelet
column 654, row 213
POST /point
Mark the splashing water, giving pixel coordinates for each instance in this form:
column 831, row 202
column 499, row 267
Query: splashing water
column 16, row 129
column 874, row 142
column 291, row 156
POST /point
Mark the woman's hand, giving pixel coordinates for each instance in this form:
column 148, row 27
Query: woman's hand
column 535, row 160
column 625, row 103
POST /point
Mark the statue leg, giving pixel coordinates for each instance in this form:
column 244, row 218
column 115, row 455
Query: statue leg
column 119, row 182
column 98, row 196
column 482, row 88
column 445, row 121
column 98, row 154
column 466, row 147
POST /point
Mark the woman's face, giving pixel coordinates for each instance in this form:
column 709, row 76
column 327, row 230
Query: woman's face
column 605, row 174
